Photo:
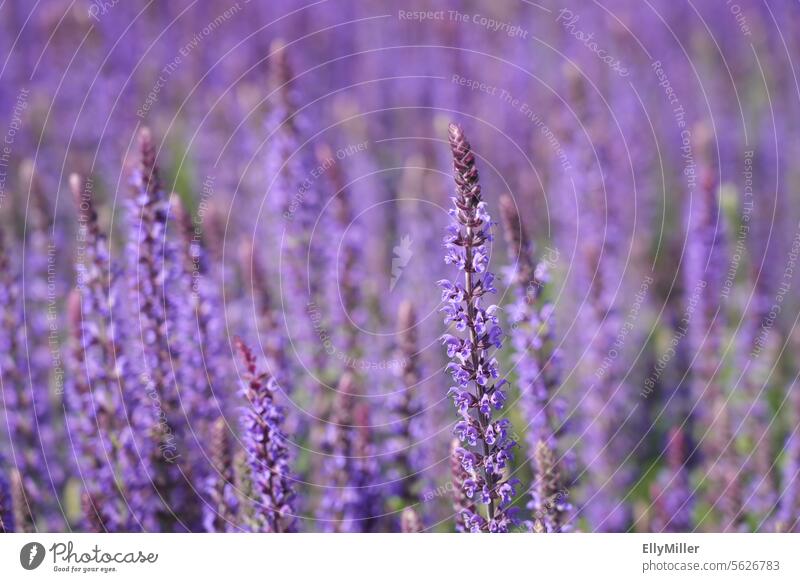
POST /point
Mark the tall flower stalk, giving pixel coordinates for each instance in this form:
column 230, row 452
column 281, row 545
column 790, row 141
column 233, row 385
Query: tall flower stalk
column 672, row 491
column 538, row 366
column 203, row 372
column 478, row 393
column 295, row 196
column 100, row 379
column 267, row 449
column 405, row 405
column 220, row 514
column 349, row 502
column 153, row 270
column 273, row 340
column 22, row 405
column 39, row 285
column 704, row 276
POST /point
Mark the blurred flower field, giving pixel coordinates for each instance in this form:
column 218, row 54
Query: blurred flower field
column 428, row 266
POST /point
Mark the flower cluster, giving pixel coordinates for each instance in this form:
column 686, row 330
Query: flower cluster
column 478, row 392
column 407, row 409
column 267, row 449
column 222, row 510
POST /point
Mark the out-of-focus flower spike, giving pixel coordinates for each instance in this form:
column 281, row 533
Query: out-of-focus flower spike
column 347, row 303
column 300, row 233
column 671, row 492
column 23, row 406
column 220, row 514
column 100, row 384
column 704, row 276
column 152, row 274
column 268, row 322
column 267, row 449
column 86, row 415
column 201, row 335
column 349, row 502
column 407, row 409
column 519, row 247
column 537, row 362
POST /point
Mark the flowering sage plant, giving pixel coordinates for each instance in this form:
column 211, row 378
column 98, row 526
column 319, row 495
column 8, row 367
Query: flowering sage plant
column 478, row 392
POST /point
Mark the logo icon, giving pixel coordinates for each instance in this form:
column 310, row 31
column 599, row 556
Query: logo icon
column 402, row 255
column 31, row 555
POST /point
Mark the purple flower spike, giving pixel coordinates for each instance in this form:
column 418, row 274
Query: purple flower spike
column 537, row 362
column 349, row 502
column 107, row 458
column 203, row 374
column 267, row 449
column 672, row 492
column 24, row 405
column 704, row 279
column 476, row 371
column 787, row 518
column 220, row 514
column 153, row 273
column 407, row 410
column 295, row 196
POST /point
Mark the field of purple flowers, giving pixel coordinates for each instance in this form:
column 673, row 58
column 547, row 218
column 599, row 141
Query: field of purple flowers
column 428, row 265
